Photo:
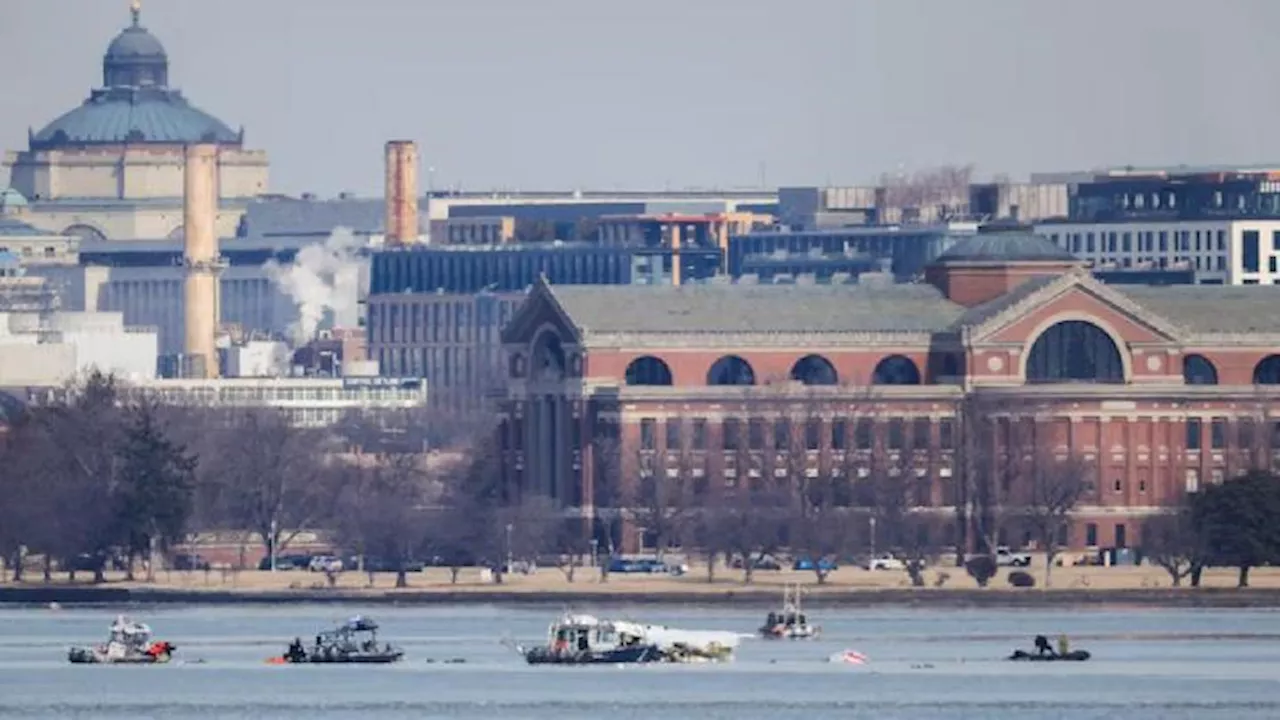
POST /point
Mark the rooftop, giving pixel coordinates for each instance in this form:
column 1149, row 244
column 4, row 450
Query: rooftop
column 1004, row 247
column 756, row 308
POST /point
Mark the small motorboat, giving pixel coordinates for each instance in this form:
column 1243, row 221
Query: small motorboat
column 353, row 642
column 789, row 623
column 1073, row 656
column 129, row 643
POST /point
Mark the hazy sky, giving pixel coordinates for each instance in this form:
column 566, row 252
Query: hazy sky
column 557, row 94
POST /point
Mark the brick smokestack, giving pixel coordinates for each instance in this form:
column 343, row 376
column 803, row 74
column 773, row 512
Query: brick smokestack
column 200, row 260
column 402, row 192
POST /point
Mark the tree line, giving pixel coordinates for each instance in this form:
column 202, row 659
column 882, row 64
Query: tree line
column 105, row 472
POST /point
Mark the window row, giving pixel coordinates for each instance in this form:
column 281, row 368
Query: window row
column 812, row 434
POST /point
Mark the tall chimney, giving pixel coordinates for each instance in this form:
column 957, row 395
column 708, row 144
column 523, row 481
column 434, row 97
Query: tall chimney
column 200, row 259
column 402, row 192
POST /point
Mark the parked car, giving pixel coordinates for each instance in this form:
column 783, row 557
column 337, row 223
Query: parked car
column 325, row 563
column 1008, row 558
column 885, row 561
column 823, row 564
column 286, row 562
column 764, row 562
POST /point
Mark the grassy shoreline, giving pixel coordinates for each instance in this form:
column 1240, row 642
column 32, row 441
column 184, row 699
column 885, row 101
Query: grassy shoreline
column 1141, row 586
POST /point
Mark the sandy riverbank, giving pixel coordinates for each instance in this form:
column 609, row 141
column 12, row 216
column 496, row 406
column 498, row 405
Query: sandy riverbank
column 847, row 586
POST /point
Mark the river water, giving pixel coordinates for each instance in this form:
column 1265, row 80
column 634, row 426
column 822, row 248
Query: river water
column 929, row 664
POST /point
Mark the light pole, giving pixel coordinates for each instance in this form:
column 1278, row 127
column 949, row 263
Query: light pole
column 509, row 560
column 594, row 545
column 271, row 543
column 871, row 523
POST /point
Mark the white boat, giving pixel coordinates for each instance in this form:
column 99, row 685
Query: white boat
column 790, row 623
column 578, row 639
column 129, row 643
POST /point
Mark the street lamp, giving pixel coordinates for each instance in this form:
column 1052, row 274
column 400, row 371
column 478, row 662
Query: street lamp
column 594, row 546
column 271, row 543
column 509, row 561
column 871, row 523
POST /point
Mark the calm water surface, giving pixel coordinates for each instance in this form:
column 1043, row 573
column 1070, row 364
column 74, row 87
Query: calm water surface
column 928, row 664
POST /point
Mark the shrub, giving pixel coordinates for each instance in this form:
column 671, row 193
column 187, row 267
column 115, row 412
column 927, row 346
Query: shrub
column 981, row 568
column 1021, row 579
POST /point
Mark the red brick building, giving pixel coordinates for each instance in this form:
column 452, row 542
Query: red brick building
column 1157, row 389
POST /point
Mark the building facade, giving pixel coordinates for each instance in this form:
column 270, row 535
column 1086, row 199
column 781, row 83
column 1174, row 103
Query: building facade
column 1223, row 224
column 1155, row 389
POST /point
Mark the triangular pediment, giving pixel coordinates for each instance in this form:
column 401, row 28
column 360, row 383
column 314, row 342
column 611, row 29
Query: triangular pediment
column 539, row 310
column 1019, row 316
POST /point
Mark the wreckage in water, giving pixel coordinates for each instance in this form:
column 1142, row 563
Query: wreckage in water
column 576, row 639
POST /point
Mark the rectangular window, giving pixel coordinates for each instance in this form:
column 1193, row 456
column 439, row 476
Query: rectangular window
column 896, row 433
column 673, row 434
column 1126, row 242
column 813, row 434
column 648, row 436
column 1194, row 433
column 1193, row 480
column 1218, row 433
column 920, row 434
column 781, row 434
column 946, row 434
column 1275, row 240
column 1250, row 252
column 1222, row 239
column 755, row 434
column 1091, row 535
column 699, row 439
column 862, row 435
column 1122, row 539
column 731, row 433
column 1089, row 245
column 1164, row 241
column 839, row 431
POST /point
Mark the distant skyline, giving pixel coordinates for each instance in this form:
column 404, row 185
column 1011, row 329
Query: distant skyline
column 565, row 94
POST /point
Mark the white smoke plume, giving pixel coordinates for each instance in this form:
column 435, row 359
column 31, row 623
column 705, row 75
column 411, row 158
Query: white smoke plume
column 323, row 278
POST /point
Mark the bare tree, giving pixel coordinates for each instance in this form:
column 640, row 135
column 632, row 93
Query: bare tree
column 658, row 499
column 382, row 514
column 1174, row 542
column 1047, row 487
column 272, row 476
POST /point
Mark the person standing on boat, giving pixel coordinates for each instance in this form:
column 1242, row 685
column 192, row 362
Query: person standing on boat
column 1064, row 645
column 1042, row 646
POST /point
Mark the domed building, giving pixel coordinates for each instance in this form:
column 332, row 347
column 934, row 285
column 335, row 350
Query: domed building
column 112, row 167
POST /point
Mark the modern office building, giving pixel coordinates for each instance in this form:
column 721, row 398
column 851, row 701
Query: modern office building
column 309, row 402
column 905, row 248
column 1157, row 390
column 1221, row 223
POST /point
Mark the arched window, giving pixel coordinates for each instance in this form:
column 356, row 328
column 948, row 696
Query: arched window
column 178, row 233
column 648, row 370
column 1074, row 351
column 1267, row 372
column 731, row 370
column 1197, row 370
column 896, row 370
column 548, row 357
column 814, row 370
column 86, row 233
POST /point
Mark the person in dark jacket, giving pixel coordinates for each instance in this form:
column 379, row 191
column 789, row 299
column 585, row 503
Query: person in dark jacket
column 1042, row 645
